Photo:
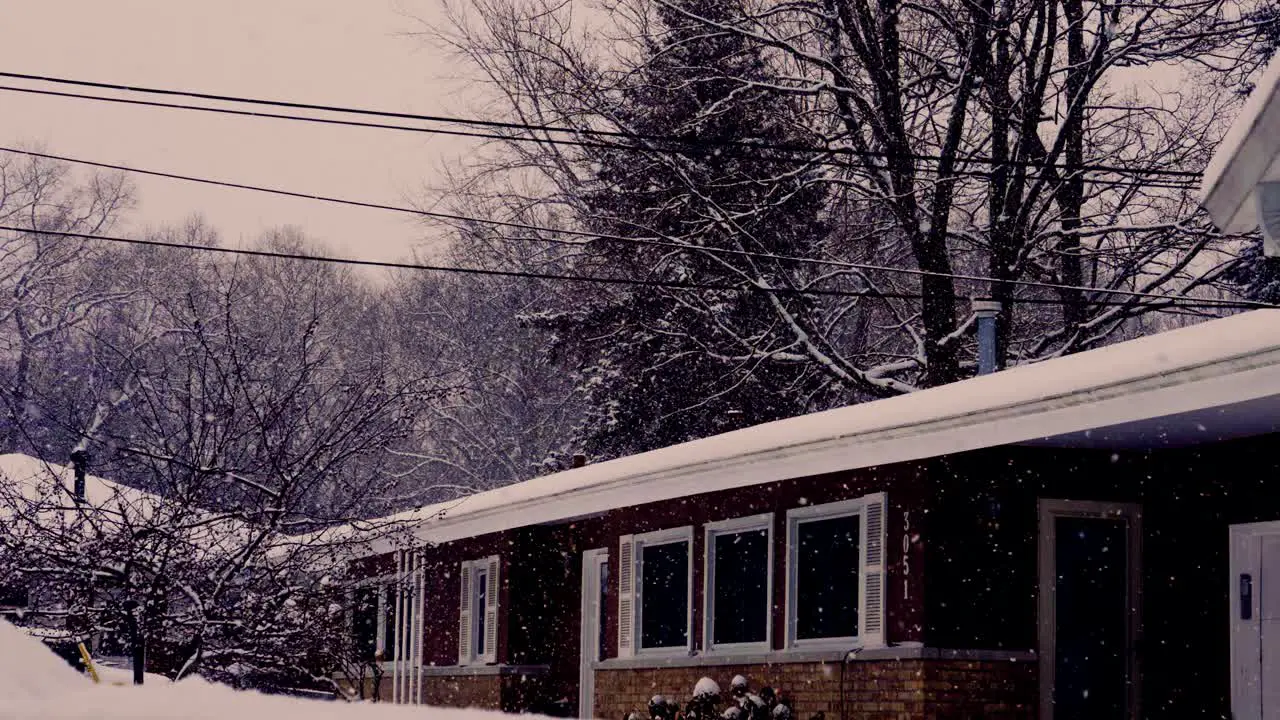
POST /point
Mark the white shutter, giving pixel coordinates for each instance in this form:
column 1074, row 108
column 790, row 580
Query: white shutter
column 491, row 612
column 873, row 571
column 464, row 615
column 626, row 596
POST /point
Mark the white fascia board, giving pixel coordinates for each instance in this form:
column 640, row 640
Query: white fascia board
column 1248, row 154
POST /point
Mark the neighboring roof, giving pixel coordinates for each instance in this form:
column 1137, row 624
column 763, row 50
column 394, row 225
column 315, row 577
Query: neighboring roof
column 1227, row 362
column 35, row 480
column 1249, row 153
column 33, row 474
column 45, row 490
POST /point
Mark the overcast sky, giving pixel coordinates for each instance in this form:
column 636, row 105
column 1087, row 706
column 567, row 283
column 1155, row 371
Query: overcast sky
column 339, row 52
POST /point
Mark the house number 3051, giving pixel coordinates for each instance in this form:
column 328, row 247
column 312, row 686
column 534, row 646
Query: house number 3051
column 906, row 554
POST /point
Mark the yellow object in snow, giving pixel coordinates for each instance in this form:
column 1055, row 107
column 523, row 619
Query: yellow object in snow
column 88, row 662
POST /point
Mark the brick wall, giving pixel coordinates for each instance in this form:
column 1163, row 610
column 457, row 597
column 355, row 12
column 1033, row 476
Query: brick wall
column 478, row 691
column 874, row 690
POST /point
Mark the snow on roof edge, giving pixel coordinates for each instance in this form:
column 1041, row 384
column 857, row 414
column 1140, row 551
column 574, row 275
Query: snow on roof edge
column 1264, row 91
column 958, row 405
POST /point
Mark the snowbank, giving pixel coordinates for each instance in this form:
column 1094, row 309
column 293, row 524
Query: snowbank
column 36, row 685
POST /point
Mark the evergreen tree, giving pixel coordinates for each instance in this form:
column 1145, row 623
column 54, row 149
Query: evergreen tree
column 667, row 365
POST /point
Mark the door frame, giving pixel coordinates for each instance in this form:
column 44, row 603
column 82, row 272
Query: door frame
column 592, row 611
column 1245, row 555
column 1050, row 510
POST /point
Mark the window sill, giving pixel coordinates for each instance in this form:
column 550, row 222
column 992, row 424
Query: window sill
column 470, row 670
column 803, row 655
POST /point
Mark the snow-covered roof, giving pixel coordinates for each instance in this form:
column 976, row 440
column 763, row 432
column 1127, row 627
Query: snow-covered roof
column 44, row 491
column 1248, row 153
column 1228, row 363
column 35, row 480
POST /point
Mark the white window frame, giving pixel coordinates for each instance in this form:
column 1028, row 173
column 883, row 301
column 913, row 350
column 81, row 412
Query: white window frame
column 653, row 539
column 750, row 523
column 829, row 511
column 477, row 612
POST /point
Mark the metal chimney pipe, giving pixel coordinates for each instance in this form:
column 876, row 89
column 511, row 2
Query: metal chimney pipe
column 79, row 461
column 988, row 312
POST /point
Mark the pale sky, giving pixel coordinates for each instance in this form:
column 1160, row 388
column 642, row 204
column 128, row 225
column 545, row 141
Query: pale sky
column 335, row 52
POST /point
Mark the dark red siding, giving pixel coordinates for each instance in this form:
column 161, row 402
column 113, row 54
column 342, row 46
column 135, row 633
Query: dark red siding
column 542, row 567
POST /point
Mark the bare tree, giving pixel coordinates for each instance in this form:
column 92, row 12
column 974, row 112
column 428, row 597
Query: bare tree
column 48, row 285
column 512, row 406
column 1003, row 148
column 258, row 416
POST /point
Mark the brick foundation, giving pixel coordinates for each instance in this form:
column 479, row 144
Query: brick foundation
column 506, row 691
column 873, row 690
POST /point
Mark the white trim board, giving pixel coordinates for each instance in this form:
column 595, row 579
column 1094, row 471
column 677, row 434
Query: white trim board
column 1247, row 155
column 1212, row 365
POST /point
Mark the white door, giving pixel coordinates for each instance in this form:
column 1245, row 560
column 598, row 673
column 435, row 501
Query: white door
column 1255, row 621
column 595, row 584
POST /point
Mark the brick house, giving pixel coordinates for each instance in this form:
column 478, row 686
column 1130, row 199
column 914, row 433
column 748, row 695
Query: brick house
column 1051, row 541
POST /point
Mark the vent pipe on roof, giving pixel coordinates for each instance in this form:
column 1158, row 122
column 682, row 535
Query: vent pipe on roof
column 79, row 461
column 988, row 312
column 579, row 460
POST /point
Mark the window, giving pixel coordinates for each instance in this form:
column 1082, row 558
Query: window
column 482, row 599
column 835, row 573
column 739, row 583
column 373, row 619
column 655, row 593
column 388, row 630
column 478, row 612
column 364, row 622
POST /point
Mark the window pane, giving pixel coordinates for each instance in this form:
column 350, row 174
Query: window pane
column 827, row 578
column 482, row 599
column 389, row 620
column 364, row 622
column 664, row 595
column 741, row 587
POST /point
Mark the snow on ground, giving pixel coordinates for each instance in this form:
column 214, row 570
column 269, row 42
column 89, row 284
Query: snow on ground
column 37, row 685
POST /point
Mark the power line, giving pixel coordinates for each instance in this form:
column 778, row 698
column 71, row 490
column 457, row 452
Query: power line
column 651, row 241
column 1173, row 301
column 1172, row 185
column 699, row 144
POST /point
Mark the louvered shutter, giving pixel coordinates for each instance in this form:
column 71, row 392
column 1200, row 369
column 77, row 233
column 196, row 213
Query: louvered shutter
column 491, row 612
column 626, row 596
column 873, row 571
column 464, row 615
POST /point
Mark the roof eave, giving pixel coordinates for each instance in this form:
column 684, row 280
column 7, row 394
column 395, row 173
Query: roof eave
column 1246, row 156
column 1214, row 384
